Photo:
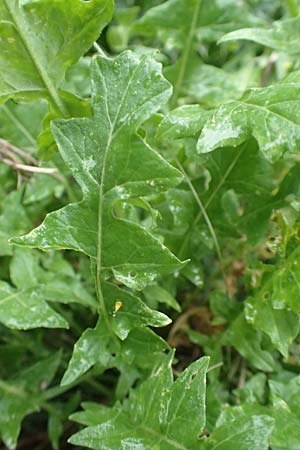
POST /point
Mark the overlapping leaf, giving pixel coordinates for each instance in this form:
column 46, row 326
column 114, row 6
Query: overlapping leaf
column 25, row 306
column 97, row 347
column 175, row 19
column 23, row 395
column 282, row 35
column 35, row 53
column 275, row 308
column 182, row 27
column 245, row 433
column 282, row 408
column 159, row 413
column 268, row 114
column 112, row 164
column 40, row 40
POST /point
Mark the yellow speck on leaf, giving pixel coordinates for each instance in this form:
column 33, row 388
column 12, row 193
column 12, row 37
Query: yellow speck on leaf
column 118, row 305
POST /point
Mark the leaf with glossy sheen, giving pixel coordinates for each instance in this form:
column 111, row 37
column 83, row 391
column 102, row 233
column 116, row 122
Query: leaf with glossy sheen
column 270, row 115
column 104, row 154
column 244, row 433
column 22, row 396
column 96, row 346
column 55, row 286
column 26, row 309
column 285, row 432
column 184, row 121
column 34, row 54
column 282, row 35
column 160, row 413
column 26, row 306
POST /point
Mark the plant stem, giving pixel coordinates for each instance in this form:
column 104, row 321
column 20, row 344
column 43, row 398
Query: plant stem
column 99, row 50
column 199, row 215
column 293, row 8
column 203, row 212
column 186, row 55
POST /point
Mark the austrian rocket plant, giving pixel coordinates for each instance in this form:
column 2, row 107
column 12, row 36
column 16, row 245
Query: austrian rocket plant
column 149, row 224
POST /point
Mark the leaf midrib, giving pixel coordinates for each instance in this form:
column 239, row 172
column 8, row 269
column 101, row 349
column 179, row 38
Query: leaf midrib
column 101, row 185
column 162, row 437
column 46, row 80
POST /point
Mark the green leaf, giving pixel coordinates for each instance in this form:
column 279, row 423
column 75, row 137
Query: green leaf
column 281, row 325
column 285, row 432
column 105, row 161
column 129, row 312
column 34, row 54
column 206, row 84
column 184, row 27
column 156, row 294
column 282, row 288
column 23, row 395
column 58, row 414
column 248, row 342
column 13, row 221
column 281, row 35
column 244, row 433
column 274, row 309
column 96, row 346
column 159, row 413
column 21, row 123
column 174, row 19
column 268, row 114
column 185, row 121
column 239, row 192
column 285, row 411
column 26, row 309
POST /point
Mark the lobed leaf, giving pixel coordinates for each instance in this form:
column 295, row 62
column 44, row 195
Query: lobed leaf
column 150, row 416
column 268, row 114
column 105, row 154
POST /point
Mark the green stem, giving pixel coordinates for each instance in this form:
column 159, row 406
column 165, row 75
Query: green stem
column 203, row 212
column 207, row 220
column 199, row 215
column 99, row 50
column 293, row 8
column 186, row 55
